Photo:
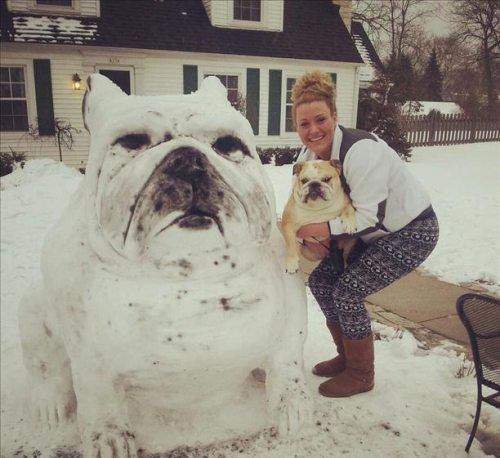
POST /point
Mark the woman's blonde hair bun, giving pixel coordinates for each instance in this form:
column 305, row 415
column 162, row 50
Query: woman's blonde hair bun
column 311, row 87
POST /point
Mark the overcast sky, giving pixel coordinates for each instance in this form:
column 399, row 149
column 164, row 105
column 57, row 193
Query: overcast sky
column 438, row 24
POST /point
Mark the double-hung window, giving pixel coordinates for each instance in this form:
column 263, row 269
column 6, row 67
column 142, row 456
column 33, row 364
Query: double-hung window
column 54, row 2
column 13, row 103
column 231, row 83
column 247, row 10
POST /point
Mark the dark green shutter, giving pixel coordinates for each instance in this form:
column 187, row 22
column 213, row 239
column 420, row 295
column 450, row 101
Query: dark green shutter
column 274, row 108
column 43, row 92
column 334, row 79
column 190, row 77
column 253, row 98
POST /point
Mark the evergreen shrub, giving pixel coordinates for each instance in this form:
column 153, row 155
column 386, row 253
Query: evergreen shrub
column 384, row 120
column 8, row 160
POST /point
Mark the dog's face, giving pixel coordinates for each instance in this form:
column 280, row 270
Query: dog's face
column 173, row 175
column 317, row 184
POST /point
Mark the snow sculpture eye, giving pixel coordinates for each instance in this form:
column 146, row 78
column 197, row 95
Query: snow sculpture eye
column 326, row 179
column 133, row 142
column 228, row 145
column 304, row 180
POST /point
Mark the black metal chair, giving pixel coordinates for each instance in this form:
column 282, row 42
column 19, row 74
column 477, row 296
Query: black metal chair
column 480, row 315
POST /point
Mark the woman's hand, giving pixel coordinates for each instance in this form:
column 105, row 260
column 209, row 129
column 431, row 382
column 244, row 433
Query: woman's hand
column 316, row 238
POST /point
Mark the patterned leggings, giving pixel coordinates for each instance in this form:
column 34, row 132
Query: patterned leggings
column 371, row 267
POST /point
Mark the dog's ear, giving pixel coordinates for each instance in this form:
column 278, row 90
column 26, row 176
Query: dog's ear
column 337, row 165
column 297, row 167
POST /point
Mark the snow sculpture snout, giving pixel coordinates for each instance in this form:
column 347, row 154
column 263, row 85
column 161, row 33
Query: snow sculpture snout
column 167, row 167
column 199, row 191
column 162, row 285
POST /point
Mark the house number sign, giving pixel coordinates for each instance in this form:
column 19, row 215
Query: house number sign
column 114, row 60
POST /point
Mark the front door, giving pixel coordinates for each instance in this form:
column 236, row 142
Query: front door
column 120, row 77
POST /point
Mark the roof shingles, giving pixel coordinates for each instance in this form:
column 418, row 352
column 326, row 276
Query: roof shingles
column 313, row 29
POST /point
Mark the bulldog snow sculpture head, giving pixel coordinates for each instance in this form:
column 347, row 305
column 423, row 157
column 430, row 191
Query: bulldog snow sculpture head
column 162, row 284
column 171, row 172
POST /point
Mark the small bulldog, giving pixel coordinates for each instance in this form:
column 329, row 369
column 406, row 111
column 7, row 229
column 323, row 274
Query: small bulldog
column 163, row 285
column 317, row 196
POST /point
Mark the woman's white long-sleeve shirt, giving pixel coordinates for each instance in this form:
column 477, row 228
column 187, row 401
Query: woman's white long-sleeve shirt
column 385, row 195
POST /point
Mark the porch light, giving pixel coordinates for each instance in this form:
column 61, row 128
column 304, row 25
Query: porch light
column 76, row 82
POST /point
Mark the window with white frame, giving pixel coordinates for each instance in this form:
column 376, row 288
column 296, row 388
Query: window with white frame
column 54, row 3
column 247, row 10
column 13, row 103
column 231, row 84
column 288, row 104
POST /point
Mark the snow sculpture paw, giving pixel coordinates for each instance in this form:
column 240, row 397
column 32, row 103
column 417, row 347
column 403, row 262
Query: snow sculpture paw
column 109, row 441
column 292, row 405
column 52, row 406
column 294, row 412
column 292, row 264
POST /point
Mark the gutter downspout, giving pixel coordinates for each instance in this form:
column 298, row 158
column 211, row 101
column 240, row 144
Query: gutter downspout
column 355, row 96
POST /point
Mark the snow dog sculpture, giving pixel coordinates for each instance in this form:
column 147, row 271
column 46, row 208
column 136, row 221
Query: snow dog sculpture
column 163, row 284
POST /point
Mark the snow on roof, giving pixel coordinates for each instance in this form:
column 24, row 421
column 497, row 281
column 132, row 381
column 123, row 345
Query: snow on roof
column 164, row 25
column 424, row 107
column 53, row 29
column 367, row 72
column 366, row 51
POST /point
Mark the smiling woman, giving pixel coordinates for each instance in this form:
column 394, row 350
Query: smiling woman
column 395, row 226
column 314, row 112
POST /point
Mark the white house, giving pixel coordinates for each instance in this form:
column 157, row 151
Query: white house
column 256, row 47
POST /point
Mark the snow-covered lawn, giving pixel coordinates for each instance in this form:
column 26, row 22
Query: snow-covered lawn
column 418, row 407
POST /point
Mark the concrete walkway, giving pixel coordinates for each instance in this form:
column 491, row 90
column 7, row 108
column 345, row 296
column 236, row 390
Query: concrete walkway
column 422, row 301
column 425, row 306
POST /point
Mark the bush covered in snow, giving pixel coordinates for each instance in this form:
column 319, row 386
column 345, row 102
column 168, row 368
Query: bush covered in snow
column 384, row 120
column 9, row 160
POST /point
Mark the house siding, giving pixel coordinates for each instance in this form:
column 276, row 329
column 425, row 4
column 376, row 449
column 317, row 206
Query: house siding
column 89, row 8
column 274, row 12
column 19, row 5
column 157, row 72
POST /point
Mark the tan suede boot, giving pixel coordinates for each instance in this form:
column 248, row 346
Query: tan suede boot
column 359, row 373
column 336, row 365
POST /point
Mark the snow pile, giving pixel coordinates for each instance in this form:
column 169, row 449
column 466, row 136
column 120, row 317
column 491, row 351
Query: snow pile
column 31, row 201
column 462, row 181
column 35, row 170
column 418, row 407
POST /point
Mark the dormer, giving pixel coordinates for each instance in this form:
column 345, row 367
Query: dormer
column 82, row 8
column 246, row 14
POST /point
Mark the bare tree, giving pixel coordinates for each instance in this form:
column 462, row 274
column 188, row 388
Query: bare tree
column 478, row 22
column 397, row 21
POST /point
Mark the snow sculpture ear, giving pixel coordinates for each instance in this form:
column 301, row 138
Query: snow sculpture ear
column 212, row 86
column 99, row 89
